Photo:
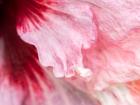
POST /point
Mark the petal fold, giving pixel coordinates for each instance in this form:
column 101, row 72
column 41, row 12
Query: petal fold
column 68, row 28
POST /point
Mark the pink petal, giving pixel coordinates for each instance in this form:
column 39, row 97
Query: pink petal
column 115, row 55
column 106, row 45
column 23, row 81
column 67, row 39
column 68, row 28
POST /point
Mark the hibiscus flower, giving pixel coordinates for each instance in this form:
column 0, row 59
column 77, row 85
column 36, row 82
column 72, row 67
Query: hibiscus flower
column 69, row 52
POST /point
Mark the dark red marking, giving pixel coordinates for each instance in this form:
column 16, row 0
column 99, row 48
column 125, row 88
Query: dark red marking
column 21, row 61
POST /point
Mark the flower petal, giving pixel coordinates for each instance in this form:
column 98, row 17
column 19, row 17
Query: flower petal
column 61, row 47
column 18, row 65
column 68, row 28
column 65, row 94
column 115, row 55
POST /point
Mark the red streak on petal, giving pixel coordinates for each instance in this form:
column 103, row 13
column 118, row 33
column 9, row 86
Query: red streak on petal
column 21, row 67
column 31, row 9
column 21, row 59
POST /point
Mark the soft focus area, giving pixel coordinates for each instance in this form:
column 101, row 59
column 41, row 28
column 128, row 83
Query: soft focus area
column 69, row 52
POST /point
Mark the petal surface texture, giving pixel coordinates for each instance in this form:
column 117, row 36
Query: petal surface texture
column 93, row 44
column 87, row 34
column 68, row 27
